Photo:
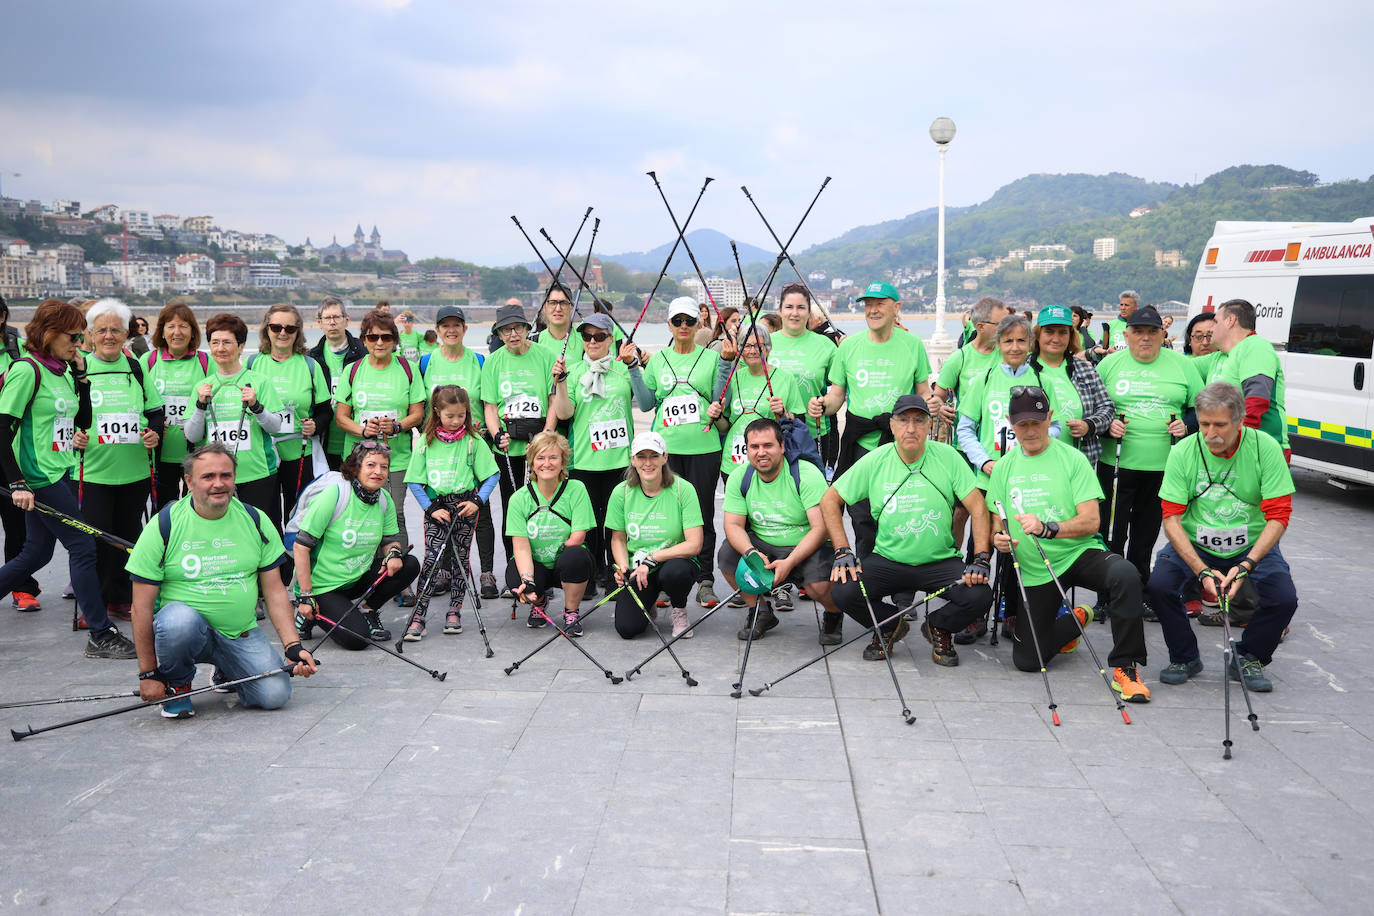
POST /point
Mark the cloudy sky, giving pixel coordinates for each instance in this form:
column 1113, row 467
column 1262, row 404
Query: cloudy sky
column 438, row 120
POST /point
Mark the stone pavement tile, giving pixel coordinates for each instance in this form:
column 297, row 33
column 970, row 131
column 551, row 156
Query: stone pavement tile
column 1318, row 827
column 219, row 867
column 1006, row 721
column 1096, row 735
column 767, row 712
column 179, row 805
column 447, row 771
column 1166, row 791
column 1343, row 882
column 565, row 754
column 511, row 863
column 896, row 789
column 570, row 710
column 942, row 844
column 961, row 896
column 792, row 755
column 1236, row 895
column 366, row 729
column 830, row 877
column 649, row 763
column 875, row 683
column 654, row 707
column 1038, row 816
column 1186, row 853
column 672, row 820
column 793, row 809
column 1018, row 763
column 60, row 879
column 1256, row 770
column 1058, row 879
column 691, row 734
column 659, row 885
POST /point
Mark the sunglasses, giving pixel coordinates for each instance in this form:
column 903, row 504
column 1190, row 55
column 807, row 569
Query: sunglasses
column 1021, row 391
column 678, row 321
column 598, row 338
column 283, row 328
column 378, row 338
column 374, row 445
column 77, row 337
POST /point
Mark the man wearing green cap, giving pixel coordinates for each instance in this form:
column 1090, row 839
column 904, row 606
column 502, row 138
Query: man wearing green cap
column 869, row 373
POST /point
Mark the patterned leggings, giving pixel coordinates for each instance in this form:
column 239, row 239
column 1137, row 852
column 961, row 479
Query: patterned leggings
column 454, row 555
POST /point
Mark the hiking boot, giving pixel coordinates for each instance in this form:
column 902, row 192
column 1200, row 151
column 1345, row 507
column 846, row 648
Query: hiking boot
column 1009, row 627
column 536, row 620
column 972, row 633
column 737, row 601
column 110, row 643
column 782, row 597
column 304, row 626
column 443, row 581
column 218, row 680
column 68, row 592
column 1251, row 673
column 764, row 621
column 453, row 623
column 1213, row 619
column 1147, row 613
column 662, row 600
column 1126, row 681
column 120, row 611
column 706, row 596
column 1179, row 672
column 681, row 623
column 1194, row 607
column 489, row 586
column 831, row 627
column 942, row 645
column 880, row 649
column 571, row 624
column 180, row 707
column 406, row 598
column 375, row 631
column 24, row 601
column 1085, row 617
column 415, row 630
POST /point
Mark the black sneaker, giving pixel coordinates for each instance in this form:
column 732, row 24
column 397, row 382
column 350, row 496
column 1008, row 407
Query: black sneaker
column 375, row 631
column 1101, row 612
column 1248, row 669
column 972, row 633
column 880, row 649
column 110, row 643
column 782, row 597
column 1148, row 613
column 941, row 645
column 831, row 627
column 764, row 621
column 571, row 624
column 536, row 620
column 219, row 680
column 489, row 586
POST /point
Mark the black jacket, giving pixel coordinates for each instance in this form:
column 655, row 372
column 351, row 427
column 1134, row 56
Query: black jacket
column 355, row 352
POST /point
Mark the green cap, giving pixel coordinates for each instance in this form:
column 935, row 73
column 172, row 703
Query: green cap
column 752, row 576
column 1055, row 314
column 881, row 290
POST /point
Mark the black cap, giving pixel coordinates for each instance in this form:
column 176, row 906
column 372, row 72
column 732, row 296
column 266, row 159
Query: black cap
column 1145, row 316
column 450, row 311
column 911, row 402
column 1028, row 402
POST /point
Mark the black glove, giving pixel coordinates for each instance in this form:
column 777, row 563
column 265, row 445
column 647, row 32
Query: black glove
column 981, row 566
column 293, row 653
column 845, row 559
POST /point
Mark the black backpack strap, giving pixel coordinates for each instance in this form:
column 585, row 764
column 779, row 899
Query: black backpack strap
column 164, row 527
column 534, row 494
column 255, row 515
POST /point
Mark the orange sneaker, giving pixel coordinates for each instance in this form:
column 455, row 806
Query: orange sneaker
column 23, row 601
column 1085, row 617
column 1127, row 682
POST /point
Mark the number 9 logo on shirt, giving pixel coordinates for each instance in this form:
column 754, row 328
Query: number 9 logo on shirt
column 1123, row 386
column 861, row 376
column 360, row 397
column 97, row 398
column 632, row 529
column 532, row 528
column 160, row 385
column 190, row 565
column 349, row 538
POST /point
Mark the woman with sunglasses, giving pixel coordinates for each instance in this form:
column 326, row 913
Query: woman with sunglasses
column 126, row 425
column 303, row 390
column 1083, row 404
column 755, row 392
column 409, row 339
column 45, row 408
column 138, row 336
column 682, row 378
column 595, row 393
column 382, row 397
column 176, row 366
column 237, row 406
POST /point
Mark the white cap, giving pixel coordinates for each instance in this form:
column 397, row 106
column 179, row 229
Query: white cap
column 683, row 305
column 648, row 442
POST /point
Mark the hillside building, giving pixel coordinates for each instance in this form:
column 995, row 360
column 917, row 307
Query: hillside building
column 364, row 248
column 1104, row 249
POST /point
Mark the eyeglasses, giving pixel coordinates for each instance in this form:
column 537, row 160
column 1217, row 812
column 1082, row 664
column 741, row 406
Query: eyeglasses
column 512, row 329
column 558, row 302
column 333, row 318
column 108, row 332
column 378, row 338
column 751, row 346
column 598, row 338
column 1201, row 335
column 283, row 328
column 678, row 321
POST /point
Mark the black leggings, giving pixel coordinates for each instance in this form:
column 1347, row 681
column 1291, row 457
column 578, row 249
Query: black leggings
column 573, row 565
column 512, row 468
column 701, row 471
column 117, row 509
column 1138, row 514
column 16, row 532
column 600, row 485
column 882, row 577
column 1115, row 582
column 336, row 604
column 169, row 482
column 676, row 577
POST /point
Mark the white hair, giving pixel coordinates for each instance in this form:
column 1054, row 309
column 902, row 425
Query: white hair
column 109, row 306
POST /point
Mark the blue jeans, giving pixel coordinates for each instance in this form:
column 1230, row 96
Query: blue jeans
column 44, row 532
column 183, row 638
column 1278, row 601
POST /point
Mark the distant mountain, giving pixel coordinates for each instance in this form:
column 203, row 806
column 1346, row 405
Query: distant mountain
column 712, row 250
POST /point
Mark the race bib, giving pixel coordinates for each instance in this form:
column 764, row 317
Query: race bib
column 738, row 452
column 1003, row 437
column 230, row 433
column 63, row 429
column 174, row 409
column 522, row 407
column 412, row 354
column 681, row 410
column 365, row 415
column 117, row 429
column 1223, row 540
column 608, row 434
column 288, row 421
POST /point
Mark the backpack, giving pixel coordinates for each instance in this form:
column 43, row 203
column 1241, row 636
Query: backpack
column 316, row 487
column 164, row 524
column 357, row 364
column 797, row 446
column 201, row 355
column 37, row 378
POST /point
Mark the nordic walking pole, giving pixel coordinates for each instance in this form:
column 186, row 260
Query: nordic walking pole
column 357, row 604
column 700, row 620
column 554, row 278
column 1025, row 609
column 56, row 700
column 1097, row 660
column 667, row 263
column 734, row 249
column 887, row 656
column 559, row 631
column 738, row 686
column 784, row 247
column 74, row 522
column 477, row 600
column 686, row 675
column 434, row 673
column 759, row 691
column 577, row 299
column 1116, row 477
column 513, row 666
column 581, row 278
column 1228, row 656
column 424, row 592
column 284, row 669
column 685, row 247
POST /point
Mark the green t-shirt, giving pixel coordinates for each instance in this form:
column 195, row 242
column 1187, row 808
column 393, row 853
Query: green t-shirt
column 450, row 467
column 116, row 455
column 987, row 399
column 346, row 547
column 533, row 517
column 776, row 509
column 1117, row 333
column 385, row 393
column 1068, row 403
column 176, row 381
column 212, row 565
column 653, row 522
column 807, row 356
column 335, row 363
column 44, row 446
column 964, row 365
column 748, row 401
column 228, row 421
column 682, row 384
column 601, row 426
column 1050, row 486
column 1204, row 364
column 465, row 372
column 299, row 385
column 1251, row 357
column 427, row 348
column 409, row 346
column 518, row 386
column 913, row 504
column 874, row 375
column 1223, row 495
column 1147, row 393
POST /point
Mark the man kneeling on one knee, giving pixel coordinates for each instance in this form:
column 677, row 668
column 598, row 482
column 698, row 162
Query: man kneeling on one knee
column 195, row 593
column 912, row 486
column 770, row 512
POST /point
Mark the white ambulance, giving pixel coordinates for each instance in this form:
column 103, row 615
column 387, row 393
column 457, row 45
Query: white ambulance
column 1312, row 285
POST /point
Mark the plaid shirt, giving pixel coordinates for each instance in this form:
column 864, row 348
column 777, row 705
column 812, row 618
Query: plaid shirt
column 1098, row 409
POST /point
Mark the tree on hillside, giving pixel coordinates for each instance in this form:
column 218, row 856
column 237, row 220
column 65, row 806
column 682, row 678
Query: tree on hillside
column 503, row 282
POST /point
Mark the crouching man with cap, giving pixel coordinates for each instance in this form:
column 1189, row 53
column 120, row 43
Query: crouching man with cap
column 197, row 571
column 912, row 486
column 1050, row 492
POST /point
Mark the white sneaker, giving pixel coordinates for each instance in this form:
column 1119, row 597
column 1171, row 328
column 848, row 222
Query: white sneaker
column 681, row 623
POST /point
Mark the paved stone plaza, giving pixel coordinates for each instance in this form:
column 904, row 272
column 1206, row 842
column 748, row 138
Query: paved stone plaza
column 379, row 789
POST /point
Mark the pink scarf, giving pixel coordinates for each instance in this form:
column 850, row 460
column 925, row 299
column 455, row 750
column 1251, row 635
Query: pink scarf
column 444, row 435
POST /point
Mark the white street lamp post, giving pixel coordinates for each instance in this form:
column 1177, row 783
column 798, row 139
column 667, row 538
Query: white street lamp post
column 942, row 132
